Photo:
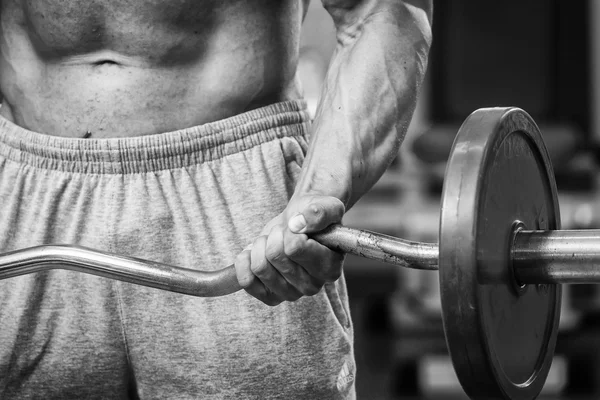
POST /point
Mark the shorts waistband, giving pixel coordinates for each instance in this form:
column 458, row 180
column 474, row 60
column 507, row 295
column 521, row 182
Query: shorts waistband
column 161, row 151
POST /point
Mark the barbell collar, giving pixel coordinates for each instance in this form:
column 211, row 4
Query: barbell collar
column 556, row 256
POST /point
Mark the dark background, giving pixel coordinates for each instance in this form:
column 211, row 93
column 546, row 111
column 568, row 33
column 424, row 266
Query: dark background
column 534, row 54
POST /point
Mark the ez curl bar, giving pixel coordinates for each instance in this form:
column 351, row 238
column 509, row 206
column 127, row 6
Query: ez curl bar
column 501, row 257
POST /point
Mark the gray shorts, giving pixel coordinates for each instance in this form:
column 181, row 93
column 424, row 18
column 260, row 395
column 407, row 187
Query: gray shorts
column 192, row 198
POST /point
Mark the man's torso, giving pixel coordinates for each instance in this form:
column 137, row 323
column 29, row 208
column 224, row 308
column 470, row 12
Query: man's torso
column 133, row 67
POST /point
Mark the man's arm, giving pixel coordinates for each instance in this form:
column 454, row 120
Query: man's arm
column 367, row 102
column 369, row 94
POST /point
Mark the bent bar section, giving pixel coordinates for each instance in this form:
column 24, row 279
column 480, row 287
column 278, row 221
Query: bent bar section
column 127, row 269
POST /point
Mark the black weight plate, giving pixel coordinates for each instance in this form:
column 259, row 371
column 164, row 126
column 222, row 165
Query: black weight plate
column 501, row 337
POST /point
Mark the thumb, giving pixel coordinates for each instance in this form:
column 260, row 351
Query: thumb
column 315, row 213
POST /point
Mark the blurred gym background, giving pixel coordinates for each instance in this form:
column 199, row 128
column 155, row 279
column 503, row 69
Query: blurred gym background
column 540, row 55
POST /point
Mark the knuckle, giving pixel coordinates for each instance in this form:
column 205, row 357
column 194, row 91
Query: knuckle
column 259, row 268
column 294, row 247
column 274, row 253
column 261, row 240
column 286, row 269
column 340, row 204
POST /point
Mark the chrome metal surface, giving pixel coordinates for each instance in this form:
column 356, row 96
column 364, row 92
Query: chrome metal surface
column 375, row 246
column 539, row 257
column 127, row 269
column 557, row 256
column 203, row 283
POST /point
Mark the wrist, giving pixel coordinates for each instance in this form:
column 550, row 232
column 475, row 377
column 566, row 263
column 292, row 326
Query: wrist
column 325, row 182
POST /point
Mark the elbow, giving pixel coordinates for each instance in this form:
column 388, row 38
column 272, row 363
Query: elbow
column 421, row 12
column 333, row 5
column 426, row 6
column 339, row 10
column 414, row 17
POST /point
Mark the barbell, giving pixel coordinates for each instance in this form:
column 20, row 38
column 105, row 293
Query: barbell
column 501, row 257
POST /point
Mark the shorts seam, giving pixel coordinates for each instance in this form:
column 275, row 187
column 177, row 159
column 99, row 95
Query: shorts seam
column 117, row 285
column 124, row 334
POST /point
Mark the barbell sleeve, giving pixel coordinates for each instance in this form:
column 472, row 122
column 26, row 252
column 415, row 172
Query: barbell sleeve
column 569, row 256
column 563, row 256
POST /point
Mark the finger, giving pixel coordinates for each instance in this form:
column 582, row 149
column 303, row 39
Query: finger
column 317, row 260
column 243, row 272
column 291, row 271
column 268, row 275
column 318, row 213
column 249, row 282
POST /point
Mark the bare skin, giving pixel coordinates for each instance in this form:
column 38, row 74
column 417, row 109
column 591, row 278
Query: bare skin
column 115, row 68
column 364, row 111
column 127, row 68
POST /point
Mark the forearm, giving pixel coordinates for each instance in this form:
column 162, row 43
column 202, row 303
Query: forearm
column 368, row 97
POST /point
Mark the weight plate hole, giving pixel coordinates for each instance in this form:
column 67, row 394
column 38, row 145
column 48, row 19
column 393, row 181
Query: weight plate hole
column 519, row 287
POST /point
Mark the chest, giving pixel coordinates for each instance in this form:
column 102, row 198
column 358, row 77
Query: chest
column 69, row 13
column 62, row 26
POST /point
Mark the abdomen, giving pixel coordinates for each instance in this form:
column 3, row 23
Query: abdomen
column 131, row 68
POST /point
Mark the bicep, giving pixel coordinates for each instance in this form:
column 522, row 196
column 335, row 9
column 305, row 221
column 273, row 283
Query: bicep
column 349, row 11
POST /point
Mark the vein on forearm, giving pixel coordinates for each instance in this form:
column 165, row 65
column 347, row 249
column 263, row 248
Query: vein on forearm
column 368, row 97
